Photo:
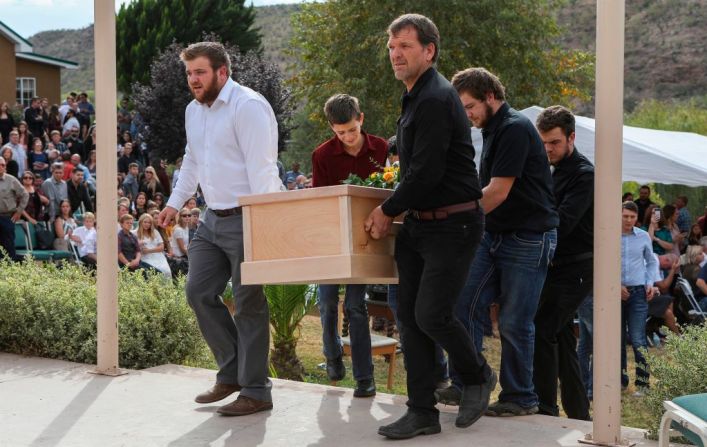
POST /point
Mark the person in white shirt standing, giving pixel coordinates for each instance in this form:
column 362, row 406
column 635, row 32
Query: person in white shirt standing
column 231, row 152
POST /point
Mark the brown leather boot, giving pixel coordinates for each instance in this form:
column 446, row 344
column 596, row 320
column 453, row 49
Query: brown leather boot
column 217, row 392
column 244, row 405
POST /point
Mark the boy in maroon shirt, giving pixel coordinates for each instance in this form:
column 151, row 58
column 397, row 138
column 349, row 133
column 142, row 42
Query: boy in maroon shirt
column 350, row 151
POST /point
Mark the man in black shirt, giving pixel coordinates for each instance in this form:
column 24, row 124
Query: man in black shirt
column 78, row 192
column 643, row 202
column 519, row 239
column 570, row 276
column 434, row 249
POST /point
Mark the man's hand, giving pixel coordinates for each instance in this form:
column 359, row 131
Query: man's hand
column 650, row 293
column 378, row 224
column 624, row 293
column 166, row 216
column 15, row 217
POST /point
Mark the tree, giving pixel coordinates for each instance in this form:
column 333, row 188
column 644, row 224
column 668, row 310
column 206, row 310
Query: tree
column 162, row 102
column 146, row 27
column 341, row 48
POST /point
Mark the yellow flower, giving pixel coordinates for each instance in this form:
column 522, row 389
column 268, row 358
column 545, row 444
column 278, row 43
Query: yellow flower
column 388, row 177
column 373, row 175
column 388, row 169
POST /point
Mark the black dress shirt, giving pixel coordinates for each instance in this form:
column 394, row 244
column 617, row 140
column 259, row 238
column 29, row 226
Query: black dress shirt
column 434, row 143
column 78, row 194
column 573, row 180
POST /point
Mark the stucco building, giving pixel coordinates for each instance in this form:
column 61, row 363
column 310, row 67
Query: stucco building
column 24, row 73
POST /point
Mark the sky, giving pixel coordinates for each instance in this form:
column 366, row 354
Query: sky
column 28, row 17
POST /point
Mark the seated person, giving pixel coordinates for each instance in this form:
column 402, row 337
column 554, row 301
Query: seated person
column 151, row 245
column 64, row 225
column 656, row 224
column 694, row 255
column 85, row 238
column 180, row 236
column 129, row 254
column 701, row 290
column 661, row 305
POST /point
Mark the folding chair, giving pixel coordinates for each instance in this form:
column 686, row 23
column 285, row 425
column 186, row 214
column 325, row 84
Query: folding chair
column 688, row 416
column 696, row 312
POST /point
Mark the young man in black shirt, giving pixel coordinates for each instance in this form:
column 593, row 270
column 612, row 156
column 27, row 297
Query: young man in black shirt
column 519, row 238
column 434, row 249
column 570, row 276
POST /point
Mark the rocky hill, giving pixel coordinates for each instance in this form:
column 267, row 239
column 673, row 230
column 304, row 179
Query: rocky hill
column 666, row 45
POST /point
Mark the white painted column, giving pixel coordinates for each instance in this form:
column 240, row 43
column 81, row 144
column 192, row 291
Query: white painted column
column 607, row 221
column 106, row 173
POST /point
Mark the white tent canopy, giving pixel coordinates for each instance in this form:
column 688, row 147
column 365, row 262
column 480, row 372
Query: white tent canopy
column 649, row 155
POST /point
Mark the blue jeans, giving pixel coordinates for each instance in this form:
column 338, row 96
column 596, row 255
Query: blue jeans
column 441, row 373
column 359, row 332
column 510, row 268
column 634, row 312
column 585, row 346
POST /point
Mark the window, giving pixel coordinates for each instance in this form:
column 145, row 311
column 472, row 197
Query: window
column 26, row 90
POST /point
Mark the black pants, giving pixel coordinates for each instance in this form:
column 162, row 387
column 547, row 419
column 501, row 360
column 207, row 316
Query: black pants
column 565, row 288
column 7, row 237
column 434, row 258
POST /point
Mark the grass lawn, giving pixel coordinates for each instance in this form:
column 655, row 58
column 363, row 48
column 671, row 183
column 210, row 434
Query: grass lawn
column 309, row 350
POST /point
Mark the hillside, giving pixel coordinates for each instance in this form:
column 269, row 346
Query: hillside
column 666, row 53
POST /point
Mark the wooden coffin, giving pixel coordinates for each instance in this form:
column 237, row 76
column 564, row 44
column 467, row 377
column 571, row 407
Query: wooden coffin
column 315, row 236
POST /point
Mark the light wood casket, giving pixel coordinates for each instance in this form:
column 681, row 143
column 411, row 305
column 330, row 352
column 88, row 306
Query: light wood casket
column 315, row 236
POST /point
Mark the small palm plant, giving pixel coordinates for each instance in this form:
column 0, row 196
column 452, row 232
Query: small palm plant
column 288, row 306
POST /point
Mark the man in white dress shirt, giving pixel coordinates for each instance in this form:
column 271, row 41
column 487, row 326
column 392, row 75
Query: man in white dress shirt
column 231, row 152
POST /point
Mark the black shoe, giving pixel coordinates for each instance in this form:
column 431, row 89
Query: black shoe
column 448, row 396
column 365, row 388
column 475, row 401
column 335, row 369
column 410, row 425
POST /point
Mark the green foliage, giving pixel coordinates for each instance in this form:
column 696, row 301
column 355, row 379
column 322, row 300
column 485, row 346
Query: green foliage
column 681, row 116
column 341, row 47
column 51, row 312
column 288, row 305
column 680, row 369
column 146, row 27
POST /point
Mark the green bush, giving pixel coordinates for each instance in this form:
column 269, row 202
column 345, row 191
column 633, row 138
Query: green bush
column 50, row 311
column 679, row 369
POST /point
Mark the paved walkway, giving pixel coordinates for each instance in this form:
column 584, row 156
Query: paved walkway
column 47, row 402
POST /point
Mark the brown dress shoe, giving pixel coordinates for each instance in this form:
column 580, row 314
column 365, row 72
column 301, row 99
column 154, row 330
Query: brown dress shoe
column 244, row 405
column 217, row 392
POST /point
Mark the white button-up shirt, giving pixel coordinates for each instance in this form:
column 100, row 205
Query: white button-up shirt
column 231, row 149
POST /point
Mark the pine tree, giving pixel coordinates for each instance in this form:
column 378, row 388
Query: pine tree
column 146, row 27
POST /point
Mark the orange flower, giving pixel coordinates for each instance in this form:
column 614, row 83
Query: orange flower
column 388, row 177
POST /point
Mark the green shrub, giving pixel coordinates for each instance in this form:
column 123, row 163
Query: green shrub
column 50, row 311
column 680, row 368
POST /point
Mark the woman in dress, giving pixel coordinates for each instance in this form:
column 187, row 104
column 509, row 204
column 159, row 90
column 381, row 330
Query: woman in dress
column 25, row 135
column 64, row 225
column 151, row 245
column 38, row 159
column 7, row 123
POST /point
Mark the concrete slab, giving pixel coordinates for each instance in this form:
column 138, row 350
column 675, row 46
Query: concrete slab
column 47, row 402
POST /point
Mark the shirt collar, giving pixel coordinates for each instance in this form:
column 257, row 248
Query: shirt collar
column 633, row 232
column 497, row 118
column 420, row 83
column 339, row 146
column 567, row 159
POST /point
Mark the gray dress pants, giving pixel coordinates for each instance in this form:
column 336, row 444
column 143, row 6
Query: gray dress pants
column 240, row 344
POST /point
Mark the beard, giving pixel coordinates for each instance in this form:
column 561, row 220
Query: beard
column 488, row 113
column 209, row 92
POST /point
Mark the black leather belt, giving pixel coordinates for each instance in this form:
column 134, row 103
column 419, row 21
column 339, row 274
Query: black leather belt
column 444, row 211
column 228, row 212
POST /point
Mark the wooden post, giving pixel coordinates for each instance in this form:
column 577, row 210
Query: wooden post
column 106, row 170
column 607, row 222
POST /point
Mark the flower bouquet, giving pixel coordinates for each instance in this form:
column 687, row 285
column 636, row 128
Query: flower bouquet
column 387, row 179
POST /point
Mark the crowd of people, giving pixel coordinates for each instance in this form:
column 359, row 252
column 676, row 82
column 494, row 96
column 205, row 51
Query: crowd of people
column 461, row 250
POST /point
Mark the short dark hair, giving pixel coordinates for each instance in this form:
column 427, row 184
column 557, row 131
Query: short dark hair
column 556, row 116
column 628, row 205
column 478, row 82
column 683, row 199
column 427, row 31
column 214, row 51
column 645, row 187
column 133, row 164
column 625, row 196
column 341, row 108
